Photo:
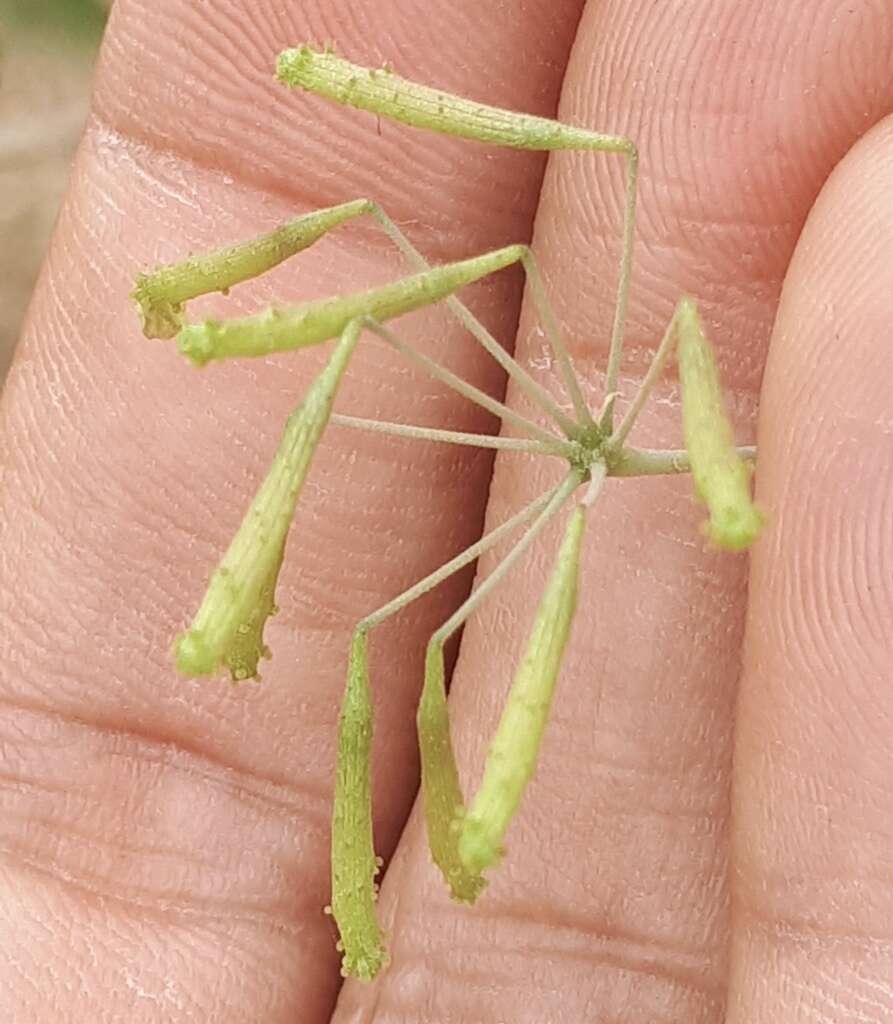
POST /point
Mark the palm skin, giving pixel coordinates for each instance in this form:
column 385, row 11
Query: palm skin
column 709, row 835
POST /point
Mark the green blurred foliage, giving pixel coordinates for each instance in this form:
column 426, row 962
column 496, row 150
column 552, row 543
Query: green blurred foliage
column 74, row 20
column 47, row 53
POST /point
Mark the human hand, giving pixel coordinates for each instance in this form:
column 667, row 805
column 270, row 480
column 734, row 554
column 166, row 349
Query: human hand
column 166, row 840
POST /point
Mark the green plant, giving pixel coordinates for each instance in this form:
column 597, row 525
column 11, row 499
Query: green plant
column 227, row 631
column 82, row 20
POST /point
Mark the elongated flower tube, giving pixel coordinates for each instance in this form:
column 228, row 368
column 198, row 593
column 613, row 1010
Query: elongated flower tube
column 721, row 476
column 227, row 630
column 162, row 295
column 354, row 865
column 513, row 753
column 444, row 805
column 280, row 330
column 381, row 92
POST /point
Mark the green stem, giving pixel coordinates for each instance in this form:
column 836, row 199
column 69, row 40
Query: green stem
column 462, row 387
column 556, row 340
column 515, row 444
column 532, row 388
column 655, row 369
column 466, row 557
column 559, row 496
column 661, row 462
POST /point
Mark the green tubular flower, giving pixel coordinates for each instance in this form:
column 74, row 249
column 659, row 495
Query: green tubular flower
column 513, row 753
column 721, row 476
column 227, row 630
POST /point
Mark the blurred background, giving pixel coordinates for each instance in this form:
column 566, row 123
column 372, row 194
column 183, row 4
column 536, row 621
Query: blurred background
column 47, row 52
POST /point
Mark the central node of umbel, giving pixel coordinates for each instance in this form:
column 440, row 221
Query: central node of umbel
column 588, row 449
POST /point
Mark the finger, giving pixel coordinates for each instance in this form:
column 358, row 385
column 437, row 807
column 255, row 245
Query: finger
column 813, row 807
column 166, row 841
column 611, row 903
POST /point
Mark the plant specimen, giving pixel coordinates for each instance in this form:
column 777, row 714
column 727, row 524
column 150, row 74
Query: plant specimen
column 227, row 631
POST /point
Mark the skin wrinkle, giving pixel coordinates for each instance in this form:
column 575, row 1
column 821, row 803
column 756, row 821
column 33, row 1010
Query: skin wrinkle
column 571, row 932
column 626, row 981
column 153, row 907
column 849, row 960
column 147, row 750
column 188, row 942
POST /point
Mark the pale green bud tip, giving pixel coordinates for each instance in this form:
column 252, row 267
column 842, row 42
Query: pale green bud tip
column 227, row 632
column 291, row 64
column 160, row 317
column 195, row 653
column 466, row 885
column 479, row 847
column 192, row 655
column 735, row 527
column 364, row 967
column 198, row 342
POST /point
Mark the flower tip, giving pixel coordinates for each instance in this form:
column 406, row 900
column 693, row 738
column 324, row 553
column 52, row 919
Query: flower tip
column 735, row 528
column 364, row 967
column 477, row 848
column 160, row 318
column 291, row 63
column 192, row 655
column 195, row 341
